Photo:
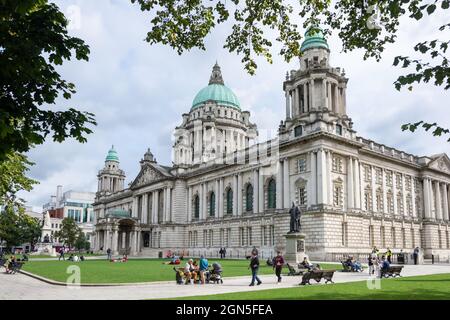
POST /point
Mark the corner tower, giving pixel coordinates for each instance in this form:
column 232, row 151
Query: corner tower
column 111, row 178
column 316, row 92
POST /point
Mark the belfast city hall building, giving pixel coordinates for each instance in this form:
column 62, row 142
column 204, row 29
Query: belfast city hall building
column 224, row 189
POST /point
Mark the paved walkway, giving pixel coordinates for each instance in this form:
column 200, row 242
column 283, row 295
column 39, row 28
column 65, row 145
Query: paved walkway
column 20, row 286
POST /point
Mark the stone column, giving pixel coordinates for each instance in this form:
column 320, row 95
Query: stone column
column 115, row 240
column 356, row 186
column 217, row 199
column 255, row 191
column 169, row 205
column 279, row 185
column 235, row 195
column 445, row 198
column 438, row 202
column 305, row 98
column 321, row 178
column 261, row 191
column 404, row 194
column 312, row 194
column 134, row 210
column 313, row 106
column 164, row 205
column 324, row 93
column 294, row 102
column 413, row 196
column 156, row 205
column 144, row 208
column 385, row 208
column 288, row 107
column 204, row 212
column 286, row 190
column 107, row 241
column 329, row 156
column 426, row 198
column 350, row 187
column 394, row 191
column 335, row 100
column 189, row 205
column 297, row 102
column 221, row 195
column 373, row 187
column 239, row 194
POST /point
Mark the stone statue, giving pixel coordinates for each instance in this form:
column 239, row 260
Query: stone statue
column 47, row 222
column 295, row 219
column 46, row 239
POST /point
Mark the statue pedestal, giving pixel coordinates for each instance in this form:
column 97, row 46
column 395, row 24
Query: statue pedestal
column 46, row 248
column 295, row 248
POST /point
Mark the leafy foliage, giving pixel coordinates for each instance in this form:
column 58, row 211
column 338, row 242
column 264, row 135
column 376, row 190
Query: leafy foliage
column 69, row 232
column 17, row 228
column 13, row 179
column 33, row 41
column 81, row 243
column 437, row 130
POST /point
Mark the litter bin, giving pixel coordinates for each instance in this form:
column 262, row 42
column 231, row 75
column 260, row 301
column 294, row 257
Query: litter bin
column 160, row 254
column 401, row 258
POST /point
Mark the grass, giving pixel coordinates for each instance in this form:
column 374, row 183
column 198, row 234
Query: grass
column 41, row 256
column 135, row 270
column 431, row 287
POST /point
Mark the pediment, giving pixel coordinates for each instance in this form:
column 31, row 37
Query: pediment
column 147, row 175
column 441, row 163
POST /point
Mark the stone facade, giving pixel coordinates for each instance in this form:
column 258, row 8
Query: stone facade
column 224, row 190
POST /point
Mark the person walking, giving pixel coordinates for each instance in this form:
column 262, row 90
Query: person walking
column 61, row 253
column 254, row 266
column 416, row 255
column 221, row 253
column 224, row 252
column 278, row 265
column 108, row 252
column 203, row 267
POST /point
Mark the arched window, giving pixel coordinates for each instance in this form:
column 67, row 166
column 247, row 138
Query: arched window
column 249, row 198
column 197, row 207
column 229, row 201
column 271, row 194
column 212, row 205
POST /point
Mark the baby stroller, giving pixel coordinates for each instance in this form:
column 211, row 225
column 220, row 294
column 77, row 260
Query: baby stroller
column 215, row 274
column 178, row 276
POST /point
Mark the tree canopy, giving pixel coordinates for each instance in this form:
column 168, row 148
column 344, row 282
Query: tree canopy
column 17, row 228
column 33, row 41
column 69, row 232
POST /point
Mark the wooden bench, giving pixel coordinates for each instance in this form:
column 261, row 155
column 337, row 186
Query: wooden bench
column 318, row 275
column 392, row 271
column 295, row 271
column 345, row 267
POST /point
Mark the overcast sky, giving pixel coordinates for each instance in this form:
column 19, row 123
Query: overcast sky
column 138, row 93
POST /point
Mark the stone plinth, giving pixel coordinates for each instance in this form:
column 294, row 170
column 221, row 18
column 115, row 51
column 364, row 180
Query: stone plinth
column 295, row 248
column 45, row 248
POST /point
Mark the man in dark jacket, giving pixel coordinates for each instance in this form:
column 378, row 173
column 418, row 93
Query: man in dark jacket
column 254, row 266
column 278, row 265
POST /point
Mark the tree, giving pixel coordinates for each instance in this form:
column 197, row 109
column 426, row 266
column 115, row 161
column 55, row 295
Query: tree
column 33, row 41
column 17, row 228
column 13, row 179
column 30, row 229
column 81, row 242
column 68, row 234
column 365, row 24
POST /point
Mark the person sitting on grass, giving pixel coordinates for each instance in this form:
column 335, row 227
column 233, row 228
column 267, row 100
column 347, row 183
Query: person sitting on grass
column 124, row 258
column 187, row 271
column 306, row 264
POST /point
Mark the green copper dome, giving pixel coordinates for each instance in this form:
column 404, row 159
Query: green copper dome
column 314, row 39
column 216, row 91
column 112, row 155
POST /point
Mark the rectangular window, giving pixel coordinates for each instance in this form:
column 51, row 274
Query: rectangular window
column 301, row 165
column 337, row 165
column 378, row 176
column 389, row 178
column 249, row 236
column 367, row 174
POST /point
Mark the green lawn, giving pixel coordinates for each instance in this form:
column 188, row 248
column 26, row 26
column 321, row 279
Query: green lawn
column 433, row 287
column 138, row 270
column 40, row 256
